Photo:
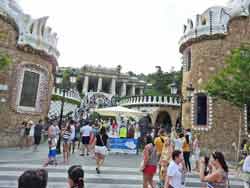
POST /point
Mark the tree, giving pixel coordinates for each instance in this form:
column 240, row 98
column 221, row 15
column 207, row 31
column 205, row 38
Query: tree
column 232, row 83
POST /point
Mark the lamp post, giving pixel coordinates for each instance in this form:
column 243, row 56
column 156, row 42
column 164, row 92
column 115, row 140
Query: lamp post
column 190, row 91
column 65, row 82
column 173, row 88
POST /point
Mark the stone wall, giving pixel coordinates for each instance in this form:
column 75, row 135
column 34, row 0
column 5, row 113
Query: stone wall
column 10, row 114
column 208, row 58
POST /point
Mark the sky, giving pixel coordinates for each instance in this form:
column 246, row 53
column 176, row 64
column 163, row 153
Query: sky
column 136, row 34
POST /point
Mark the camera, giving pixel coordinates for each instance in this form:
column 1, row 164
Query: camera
column 206, row 161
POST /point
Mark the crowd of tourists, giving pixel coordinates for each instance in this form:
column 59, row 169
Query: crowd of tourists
column 171, row 155
column 30, row 134
column 89, row 137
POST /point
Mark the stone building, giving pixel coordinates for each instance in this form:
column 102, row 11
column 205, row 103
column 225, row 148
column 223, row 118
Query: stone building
column 26, row 86
column 205, row 45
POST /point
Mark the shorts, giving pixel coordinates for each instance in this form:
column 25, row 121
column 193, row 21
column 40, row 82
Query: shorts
column 37, row 140
column 150, row 170
column 66, row 141
column 101, row 150
column 52, row 153
column 85, row 140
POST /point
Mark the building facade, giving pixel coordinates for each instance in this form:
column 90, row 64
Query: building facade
column 205, row 45
column 26, row 85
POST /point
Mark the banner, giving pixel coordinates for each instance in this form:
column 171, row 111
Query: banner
column 123, row 145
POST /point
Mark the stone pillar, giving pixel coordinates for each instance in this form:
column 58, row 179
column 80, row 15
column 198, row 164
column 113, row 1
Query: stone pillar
column 99, row 86
column 124, row 89
column 85, row 84
column 141, row 91
column 113, row 86
column 133, row 90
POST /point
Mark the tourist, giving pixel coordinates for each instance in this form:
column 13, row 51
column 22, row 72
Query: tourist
column 131, row 131
column 186, row 152
column 72, row 136
column 178, row 143
column 101, row 148
column 38, row 129
column 196, row 150
column 52, row 143
column 123, row 131
column 165, row 159
column 175, row 171
column 31, row 133
column 246, row 171
column 52, row 132
column 218, row 176
column 76, row 177
column 173, row 136
column 114, row 128
column 149, row 163
column 96, row 128
column 159, row 142
column 33, row 179
column 22, row 134
column 86, row 131
column 189, row 133
column 66, row 133
column 78, row 134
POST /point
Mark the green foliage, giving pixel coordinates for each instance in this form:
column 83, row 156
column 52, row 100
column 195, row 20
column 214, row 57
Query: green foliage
column 160, row 82
column 232, row 83
column 59, row 98
column 5, row 61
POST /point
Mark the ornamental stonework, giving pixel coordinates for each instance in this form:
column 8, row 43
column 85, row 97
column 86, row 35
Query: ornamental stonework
column 224, row 126
column 25, row 57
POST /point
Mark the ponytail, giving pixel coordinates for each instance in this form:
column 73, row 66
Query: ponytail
column 76, row 174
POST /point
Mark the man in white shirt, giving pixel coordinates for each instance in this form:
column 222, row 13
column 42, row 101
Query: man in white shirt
column 86, row 132
column 174, row 171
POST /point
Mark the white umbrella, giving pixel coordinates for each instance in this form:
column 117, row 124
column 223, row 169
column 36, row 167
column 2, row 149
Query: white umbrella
column 119, row 111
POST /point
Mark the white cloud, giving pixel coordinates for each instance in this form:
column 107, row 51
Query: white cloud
column 138, row 34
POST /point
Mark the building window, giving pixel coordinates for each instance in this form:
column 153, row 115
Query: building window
column 248, row 118
column 189, row 60
column 201, row 116
column 29, row 89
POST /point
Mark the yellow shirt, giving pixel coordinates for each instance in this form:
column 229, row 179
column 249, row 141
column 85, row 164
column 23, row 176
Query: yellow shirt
column 123, row 132
column 159, row 144
column 186, row 147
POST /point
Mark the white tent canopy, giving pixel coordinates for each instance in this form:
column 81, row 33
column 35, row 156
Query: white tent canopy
column 119, row 111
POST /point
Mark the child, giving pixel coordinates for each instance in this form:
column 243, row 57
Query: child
column 52, row 152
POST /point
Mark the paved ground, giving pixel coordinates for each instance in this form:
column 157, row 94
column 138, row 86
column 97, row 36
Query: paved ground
column 120, row 171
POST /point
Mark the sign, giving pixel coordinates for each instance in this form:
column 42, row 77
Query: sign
column 123, row 145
